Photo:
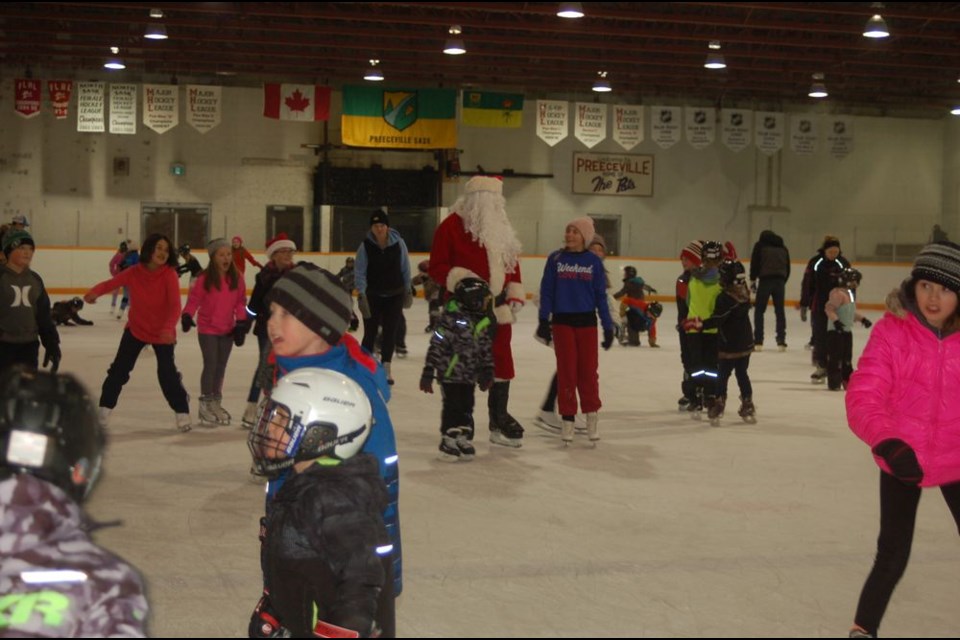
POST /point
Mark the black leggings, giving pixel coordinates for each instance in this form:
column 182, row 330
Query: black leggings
column 123, row 363
column 898, row 515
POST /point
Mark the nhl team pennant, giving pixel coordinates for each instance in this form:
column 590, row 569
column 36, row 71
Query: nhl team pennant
column 300, row 102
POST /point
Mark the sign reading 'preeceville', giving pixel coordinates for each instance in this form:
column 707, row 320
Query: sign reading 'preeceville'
column 611, row 174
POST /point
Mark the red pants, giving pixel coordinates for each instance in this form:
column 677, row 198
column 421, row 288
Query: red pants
column 577, row 368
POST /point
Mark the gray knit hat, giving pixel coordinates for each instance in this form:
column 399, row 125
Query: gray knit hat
column 217, row 243
column 939, row 262
column 315, row 297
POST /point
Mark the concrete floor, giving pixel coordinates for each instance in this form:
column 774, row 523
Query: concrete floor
column 670, row 527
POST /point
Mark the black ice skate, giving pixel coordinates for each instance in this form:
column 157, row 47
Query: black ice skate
column 819, row 376
column 504, row 428
column 716, row 410
column 747, row 411
column 696, row 405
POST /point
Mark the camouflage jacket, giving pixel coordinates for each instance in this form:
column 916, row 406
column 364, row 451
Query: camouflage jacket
column 92, row 593
column 461, row 348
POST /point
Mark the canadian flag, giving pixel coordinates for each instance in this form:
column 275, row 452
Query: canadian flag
column 303, row 102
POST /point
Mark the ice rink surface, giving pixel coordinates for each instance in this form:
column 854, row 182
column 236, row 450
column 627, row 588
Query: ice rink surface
column 670, row 527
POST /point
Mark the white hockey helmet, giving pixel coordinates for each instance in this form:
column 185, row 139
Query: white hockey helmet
column 311, row 413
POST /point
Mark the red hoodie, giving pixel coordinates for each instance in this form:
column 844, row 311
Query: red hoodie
column 154, row 301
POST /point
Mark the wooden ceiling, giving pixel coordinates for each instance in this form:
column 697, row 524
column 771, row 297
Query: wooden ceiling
column 650, row 50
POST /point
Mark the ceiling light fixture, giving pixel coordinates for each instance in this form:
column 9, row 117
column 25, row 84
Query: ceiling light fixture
column 454, row 46
column 373, row 74
column 602, row 85
column 818, row 89
column 570, row 10
column 876, row 25
column 114, row 62
column 155, row 31
column 715, row 59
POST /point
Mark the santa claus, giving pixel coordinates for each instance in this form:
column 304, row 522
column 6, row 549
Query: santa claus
column 477, row 240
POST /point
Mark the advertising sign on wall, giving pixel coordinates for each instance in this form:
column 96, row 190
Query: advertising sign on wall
column 612, row 174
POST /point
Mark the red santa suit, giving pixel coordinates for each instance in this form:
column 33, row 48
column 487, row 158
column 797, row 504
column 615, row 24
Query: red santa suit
column 457, row 254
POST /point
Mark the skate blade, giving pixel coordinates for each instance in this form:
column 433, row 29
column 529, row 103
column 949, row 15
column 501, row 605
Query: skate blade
column 750, row 419
column 497, row 438
column 448, row 457
column 546, row 426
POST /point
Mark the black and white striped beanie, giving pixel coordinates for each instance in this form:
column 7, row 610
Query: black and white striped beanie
column 315, row 297
column 939, row 262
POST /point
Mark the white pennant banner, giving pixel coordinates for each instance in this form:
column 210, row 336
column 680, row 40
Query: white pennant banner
column 665, row 126
column 161, row 106
column 804, row 135
column 628, row 125
column 840, row 136
column 123, row 109
column 203, row 107
column 701, row 126
column 90, row 107
column 736, row 128
column 590, row 125
column 768, row 128
column 552, row 120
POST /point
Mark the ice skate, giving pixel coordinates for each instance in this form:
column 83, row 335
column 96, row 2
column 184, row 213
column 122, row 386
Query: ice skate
column 401, row 351
column 104, row 414
column 504, row 428
column 386, row 367
column 547, row 420
column 653, row 343
column 208, row 414
column 758, row 347
column 819, row 376
column 683, row 404
column 593, row 427
column 716, row 411
column 782, row 347
column 249, row 419
column 857, row 632
column 223, row 416
column 464, row 444
column 183, row 422
column 696, row 406
column 449, row 451
column 747, row 411
column 566, row 433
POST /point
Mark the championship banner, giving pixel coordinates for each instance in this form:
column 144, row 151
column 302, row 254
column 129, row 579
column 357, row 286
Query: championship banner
column 161, row 106
column 665, row 126
column 628, row 125
column 203, row 107
column 123, row 109
column 486, row 109
column 399, row 118
column 701, row 126
column 590, row 124
column 552, row 120
column 736, row 128
column 300, row 102
column 804, row 138
column 610, row 174
column 840, row 136
column 90, row 112
column 768, row 128
column 59, row 92
column 26, row 97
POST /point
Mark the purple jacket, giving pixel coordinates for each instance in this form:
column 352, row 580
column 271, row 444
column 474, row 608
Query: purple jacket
column 905, row 387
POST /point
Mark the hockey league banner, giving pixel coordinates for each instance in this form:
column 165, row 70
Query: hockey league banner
column 628, row 125
column 840, row 136
column 161, row 106
column 804, row 134
column 90, row 107
column 203, row 107
column 59, row 92
column 590, row 123
column 297, row 102
column 552, row 120
column 665, row 126
column 768, row 128
column 736, row 127
column 700, row 124
column 27, row 95
column 123, row 109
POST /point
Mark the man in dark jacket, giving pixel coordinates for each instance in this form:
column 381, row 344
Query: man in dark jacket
column 770, row 265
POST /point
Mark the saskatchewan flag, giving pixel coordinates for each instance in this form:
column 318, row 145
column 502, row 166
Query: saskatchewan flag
column 484, row 109
column 399, row 118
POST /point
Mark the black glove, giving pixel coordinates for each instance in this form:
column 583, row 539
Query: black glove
column 803, row 313
column 544, row 333
column 51, row 355
column 485, row 380
column 364, row 305
column 607, row 339
column 651, row 290
column 239, row 334
column 753, row 286
column 838, row 325
column 901, row 459
column 866, row 323
column 264, row 622
column 426, row 380
column 186, row 322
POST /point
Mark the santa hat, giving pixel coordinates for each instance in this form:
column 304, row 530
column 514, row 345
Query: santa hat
column 493, row 184
column 692, row 252
column 281, row 241
column 585, row 226
column 729, row 251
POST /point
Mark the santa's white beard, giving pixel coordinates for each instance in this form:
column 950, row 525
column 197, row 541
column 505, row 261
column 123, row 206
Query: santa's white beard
column 485, row 218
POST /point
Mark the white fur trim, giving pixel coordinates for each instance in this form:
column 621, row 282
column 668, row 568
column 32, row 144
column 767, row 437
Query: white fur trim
column 456, row 274
column 484, row 183
column 276, row 245
column 503, row 314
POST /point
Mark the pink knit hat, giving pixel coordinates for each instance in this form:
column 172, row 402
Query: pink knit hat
column 237, row 239
column 692, row 252
column 585, row 226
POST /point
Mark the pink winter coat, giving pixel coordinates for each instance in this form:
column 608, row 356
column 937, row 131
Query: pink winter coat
column 218, row 310
column 905, row 387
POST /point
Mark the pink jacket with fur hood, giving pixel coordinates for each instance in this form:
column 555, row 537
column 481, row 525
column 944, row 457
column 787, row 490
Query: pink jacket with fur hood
column 905, row 387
